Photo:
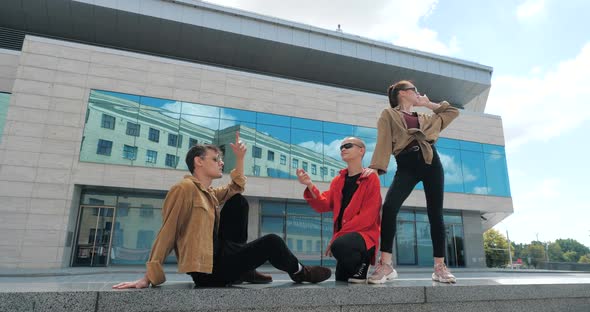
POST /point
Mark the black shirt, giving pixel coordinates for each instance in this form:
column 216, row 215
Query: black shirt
column 348, row 190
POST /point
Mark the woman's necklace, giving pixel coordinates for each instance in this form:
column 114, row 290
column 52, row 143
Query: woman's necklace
column 407, row 113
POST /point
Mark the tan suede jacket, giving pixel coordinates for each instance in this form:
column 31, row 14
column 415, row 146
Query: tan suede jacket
column 393, row 134
column 188, row 218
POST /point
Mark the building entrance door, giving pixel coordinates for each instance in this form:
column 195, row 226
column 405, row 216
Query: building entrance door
column 93, row 242
column 454, row 251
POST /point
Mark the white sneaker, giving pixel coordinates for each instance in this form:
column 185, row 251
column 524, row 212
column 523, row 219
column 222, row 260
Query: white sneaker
column 383, row 272
column 442, row 274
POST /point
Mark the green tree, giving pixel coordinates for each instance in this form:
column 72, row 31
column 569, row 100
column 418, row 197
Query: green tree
column 571, row 256
column 573, row 245
column 520, row 250
column 496, row 249
column 585, row 259
column 536, row 254
column 555, row 252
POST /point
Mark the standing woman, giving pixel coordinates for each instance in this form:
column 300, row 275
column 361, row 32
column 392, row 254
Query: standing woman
column 410, row 136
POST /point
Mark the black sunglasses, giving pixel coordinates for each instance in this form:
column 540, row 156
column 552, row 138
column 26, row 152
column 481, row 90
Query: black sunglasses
column 395, row 91
column 348, row 145
column 411, row 88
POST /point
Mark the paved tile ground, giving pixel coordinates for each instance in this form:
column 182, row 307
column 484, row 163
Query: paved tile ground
column 101, row 279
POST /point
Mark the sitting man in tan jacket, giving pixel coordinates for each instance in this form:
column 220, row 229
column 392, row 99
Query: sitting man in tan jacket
column 209, row 245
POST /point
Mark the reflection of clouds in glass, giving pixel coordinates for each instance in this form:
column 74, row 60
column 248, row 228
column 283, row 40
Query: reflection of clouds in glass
column 201, row 110
column 169, row 114
column 210, row 123
column 369, row 153
column 495, row 155
column 453, row 172
column 366, row 132
column 226, row 115
column 333, row 149
column 482, row 190
column 172, row 106
column 313, row 146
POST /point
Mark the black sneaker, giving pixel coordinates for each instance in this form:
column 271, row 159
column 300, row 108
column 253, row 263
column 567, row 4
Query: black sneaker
column 360, row 277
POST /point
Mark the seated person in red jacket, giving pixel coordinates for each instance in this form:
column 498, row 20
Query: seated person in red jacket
column 355, row 202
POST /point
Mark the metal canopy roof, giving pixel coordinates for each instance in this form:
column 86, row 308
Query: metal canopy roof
column 212, row 40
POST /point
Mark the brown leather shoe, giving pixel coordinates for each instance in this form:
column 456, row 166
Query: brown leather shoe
column 255, row 277
column 311, row 274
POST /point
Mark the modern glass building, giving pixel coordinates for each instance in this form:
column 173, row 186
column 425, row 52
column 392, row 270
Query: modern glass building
column 99, row 104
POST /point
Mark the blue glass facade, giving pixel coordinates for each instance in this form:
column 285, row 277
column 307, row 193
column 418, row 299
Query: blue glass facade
column 306, row 232
column 132, row 130
column 149, row 132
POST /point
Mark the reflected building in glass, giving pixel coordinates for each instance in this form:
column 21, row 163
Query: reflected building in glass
column 92, row 135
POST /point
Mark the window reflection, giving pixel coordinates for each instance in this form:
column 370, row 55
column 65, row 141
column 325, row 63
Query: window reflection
column 414, row 244
column 200, row 110
column 305, row 231
column 474, row 178
column 144, row 131
column 451, row 161
column 365, row 132
column 306, row 124
column 338, row 128
column 448, row 143
column 238, row 115
column 272, row 119
column 137, row 218
column 160, row 105
column 496, row 174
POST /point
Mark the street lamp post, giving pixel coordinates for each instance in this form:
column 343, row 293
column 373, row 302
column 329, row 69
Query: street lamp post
column 509, row 251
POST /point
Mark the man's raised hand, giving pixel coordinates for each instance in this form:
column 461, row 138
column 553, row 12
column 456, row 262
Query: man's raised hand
column 238, row 147
column 303, row 177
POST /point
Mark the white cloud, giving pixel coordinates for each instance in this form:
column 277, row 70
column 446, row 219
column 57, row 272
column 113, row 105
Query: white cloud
column 536, row 70
column 545, row 106
column 482, row 190
column 530, row 8
column 453, row 173
column 317, row 147
column 545, row 210
column 392, row 21
column 332, row 149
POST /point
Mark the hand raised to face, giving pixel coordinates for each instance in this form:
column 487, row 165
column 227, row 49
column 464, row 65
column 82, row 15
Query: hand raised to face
column 423, row 100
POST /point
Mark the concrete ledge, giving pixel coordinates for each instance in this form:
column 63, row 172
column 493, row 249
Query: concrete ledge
column 49, row 301
column 505, row 292
column 323, row 297
column 271, row 298
column 544, row 305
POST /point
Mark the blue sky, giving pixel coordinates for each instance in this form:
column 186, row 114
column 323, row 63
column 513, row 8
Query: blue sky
column 540, row 52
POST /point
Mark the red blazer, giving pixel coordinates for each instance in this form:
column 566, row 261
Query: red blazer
column 361, row 214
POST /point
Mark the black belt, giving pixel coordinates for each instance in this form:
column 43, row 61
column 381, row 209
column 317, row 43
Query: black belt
column 411, row 149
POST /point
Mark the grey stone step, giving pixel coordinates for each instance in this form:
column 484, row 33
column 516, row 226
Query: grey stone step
column 421, row 295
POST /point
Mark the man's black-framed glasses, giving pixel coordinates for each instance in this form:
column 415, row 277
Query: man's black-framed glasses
column 217, row 159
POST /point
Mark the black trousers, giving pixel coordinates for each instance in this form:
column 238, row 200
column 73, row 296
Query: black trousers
column 350, row 251
column 412, row 169
column 234, row 256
